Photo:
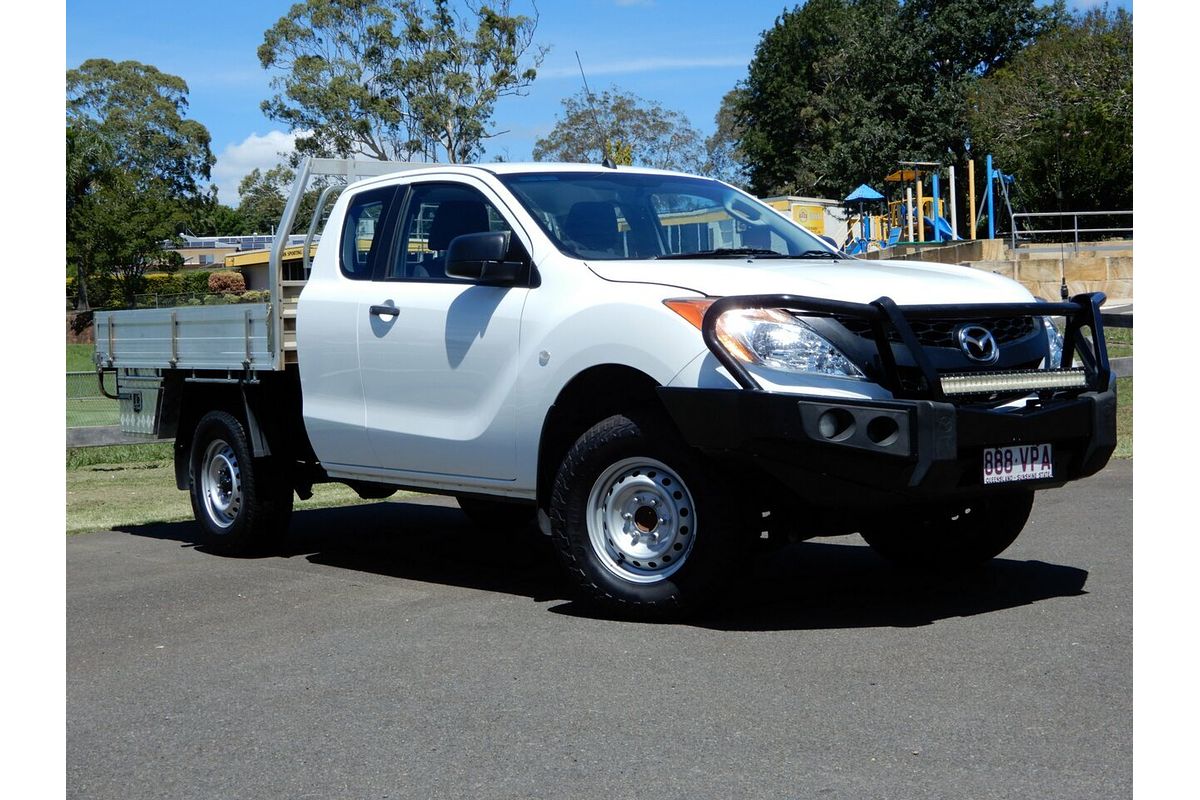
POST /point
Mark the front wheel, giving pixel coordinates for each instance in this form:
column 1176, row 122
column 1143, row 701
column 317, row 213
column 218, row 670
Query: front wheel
column 962, row 534
column 240, row 503
column 637, row 519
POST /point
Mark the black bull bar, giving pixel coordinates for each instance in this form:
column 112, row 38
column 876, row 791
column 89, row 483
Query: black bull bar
column 1083, row 336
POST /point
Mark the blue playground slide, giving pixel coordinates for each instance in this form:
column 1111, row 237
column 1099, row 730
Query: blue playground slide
column 943, row 225
column 943, row 228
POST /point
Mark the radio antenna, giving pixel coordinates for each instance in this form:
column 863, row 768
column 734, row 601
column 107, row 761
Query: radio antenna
column 607, row 162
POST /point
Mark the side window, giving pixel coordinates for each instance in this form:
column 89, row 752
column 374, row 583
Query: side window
column 365, row 232
column 435, row 214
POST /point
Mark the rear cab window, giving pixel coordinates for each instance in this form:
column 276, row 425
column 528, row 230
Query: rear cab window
column 366, row 232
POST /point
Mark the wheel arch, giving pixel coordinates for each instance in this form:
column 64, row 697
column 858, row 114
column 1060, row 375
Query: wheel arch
column 268, row 409
column 595, row 393
column 196, row 400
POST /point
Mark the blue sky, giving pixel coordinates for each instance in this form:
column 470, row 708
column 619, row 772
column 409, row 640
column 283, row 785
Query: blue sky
column 683, row 53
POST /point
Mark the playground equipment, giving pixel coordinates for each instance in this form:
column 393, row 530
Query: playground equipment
column 917, row 217
column 929, row 212
column 862, row 195
column 994, row 176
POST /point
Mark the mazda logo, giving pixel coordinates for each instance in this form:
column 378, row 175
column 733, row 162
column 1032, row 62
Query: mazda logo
column 979, row 344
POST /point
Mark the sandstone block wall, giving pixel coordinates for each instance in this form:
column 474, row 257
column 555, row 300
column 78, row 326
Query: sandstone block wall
column 1042, row 272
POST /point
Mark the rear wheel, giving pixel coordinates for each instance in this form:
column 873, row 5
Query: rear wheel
column 242, row 504
column 966, row 533
column 638, row 521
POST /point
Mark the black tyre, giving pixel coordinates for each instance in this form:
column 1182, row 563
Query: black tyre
column 638, row 521
column 496, row 515
column 961, row 534
column 242, row 504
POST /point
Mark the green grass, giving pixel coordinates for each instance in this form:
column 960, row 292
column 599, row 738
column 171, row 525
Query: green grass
column 102, row 496
column 1119, row 341
column 79, row 358
column 1124, row 418
column 92, row 412
column 114, row 455
column 86, row 406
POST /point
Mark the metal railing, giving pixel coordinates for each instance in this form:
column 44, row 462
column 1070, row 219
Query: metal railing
column 1075, row 230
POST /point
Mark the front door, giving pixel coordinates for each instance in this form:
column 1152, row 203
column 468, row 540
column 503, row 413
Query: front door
column 438, row 355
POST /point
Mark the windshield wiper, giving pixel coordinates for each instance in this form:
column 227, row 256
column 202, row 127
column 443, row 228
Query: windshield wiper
column 818, row 254
column 726, row 252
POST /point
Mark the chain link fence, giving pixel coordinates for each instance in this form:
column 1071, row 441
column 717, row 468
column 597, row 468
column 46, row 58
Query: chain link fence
column 86, row 406
column 167, row 300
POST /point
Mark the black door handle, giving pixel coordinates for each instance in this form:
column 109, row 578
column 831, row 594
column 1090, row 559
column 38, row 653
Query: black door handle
column 384, row 311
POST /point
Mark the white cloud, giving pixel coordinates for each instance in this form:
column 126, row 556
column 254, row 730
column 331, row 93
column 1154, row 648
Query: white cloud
column 236, row 160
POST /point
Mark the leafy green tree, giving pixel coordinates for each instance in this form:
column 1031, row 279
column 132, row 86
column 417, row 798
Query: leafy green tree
column 723, row 156
column 90, row 163
column 116, row 235
column 396, row 79
column 1060, row 116
column 840, row 90
column 212, row 218
column 136, row 170
column 140, row 111
column 264, row 195
column 625, row 127
column 455, row 73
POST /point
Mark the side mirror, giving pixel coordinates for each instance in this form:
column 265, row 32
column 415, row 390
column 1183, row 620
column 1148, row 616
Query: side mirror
column 831, row 242
column 481, row 257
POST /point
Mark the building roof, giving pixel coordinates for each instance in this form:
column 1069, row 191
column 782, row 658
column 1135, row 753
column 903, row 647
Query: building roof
column 253, row 258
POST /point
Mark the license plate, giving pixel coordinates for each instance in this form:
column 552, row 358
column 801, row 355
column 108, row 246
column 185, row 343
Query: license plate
column 1027, row 462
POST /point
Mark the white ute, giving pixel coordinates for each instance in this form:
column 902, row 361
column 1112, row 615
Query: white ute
column 658, row 368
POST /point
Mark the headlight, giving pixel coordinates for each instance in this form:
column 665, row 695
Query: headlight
column 1055, row 340
column 778, row 340
column 772, row 338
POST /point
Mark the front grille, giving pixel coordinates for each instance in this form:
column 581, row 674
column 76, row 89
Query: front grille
column 940, row 333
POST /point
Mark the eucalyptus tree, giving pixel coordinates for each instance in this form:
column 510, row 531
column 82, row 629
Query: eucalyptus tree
column 620, row 125
column 397, row 79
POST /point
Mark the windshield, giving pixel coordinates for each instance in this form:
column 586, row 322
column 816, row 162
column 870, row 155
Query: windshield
column 621, row 216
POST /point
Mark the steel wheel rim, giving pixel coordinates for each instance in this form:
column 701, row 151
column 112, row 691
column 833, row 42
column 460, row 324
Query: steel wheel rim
column 641, row 520
column 221, row 484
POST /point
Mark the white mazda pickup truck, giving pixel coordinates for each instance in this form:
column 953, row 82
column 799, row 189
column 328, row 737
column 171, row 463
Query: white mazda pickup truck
column 656, row 368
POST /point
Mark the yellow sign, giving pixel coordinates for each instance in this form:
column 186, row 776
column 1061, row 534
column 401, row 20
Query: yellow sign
column 811, row 217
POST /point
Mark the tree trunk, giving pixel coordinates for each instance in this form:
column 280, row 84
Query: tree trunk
column 81, row 298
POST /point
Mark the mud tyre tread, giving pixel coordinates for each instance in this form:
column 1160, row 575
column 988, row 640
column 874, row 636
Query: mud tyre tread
column 265, row 509
column 695, row 584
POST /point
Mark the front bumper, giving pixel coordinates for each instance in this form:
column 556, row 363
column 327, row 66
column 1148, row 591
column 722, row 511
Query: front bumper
column 830, row 451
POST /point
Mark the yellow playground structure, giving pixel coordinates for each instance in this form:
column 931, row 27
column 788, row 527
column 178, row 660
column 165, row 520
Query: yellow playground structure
column 917, row 212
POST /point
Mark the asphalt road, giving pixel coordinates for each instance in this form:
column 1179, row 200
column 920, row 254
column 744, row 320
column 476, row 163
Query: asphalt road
column 397, row 653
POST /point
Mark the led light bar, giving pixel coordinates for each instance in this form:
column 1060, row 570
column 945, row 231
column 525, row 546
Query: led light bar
column 1024, row 381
